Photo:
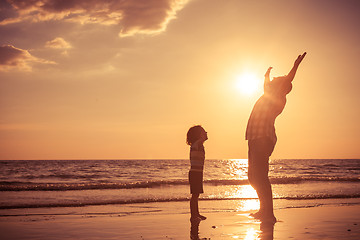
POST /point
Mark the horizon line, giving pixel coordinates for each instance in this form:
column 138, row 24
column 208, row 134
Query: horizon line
column 127, row 159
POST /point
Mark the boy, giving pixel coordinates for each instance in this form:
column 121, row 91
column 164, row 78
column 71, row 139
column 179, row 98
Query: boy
column 196, row 136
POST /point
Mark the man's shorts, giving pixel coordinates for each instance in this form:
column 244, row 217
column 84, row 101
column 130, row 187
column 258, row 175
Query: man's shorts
column 260, row 150
column 196, row 182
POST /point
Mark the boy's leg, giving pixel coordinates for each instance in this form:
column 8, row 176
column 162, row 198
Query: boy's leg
column 194, row 205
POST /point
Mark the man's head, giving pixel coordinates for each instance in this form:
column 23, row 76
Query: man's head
column 279, row 86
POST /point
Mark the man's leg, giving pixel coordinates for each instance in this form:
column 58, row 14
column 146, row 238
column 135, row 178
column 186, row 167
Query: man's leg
column 259, row 152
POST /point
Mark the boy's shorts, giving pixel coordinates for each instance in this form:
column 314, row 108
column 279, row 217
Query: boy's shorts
column 196, row 182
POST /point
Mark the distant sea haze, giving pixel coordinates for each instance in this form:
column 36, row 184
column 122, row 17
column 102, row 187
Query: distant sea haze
column 61, row 183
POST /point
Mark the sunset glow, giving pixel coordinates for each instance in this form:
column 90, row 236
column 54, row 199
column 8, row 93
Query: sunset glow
column 126, row 79
column 248, row 83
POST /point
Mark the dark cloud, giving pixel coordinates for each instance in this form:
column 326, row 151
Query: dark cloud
column 133, row 16
column 12, row 57
column 6, row 10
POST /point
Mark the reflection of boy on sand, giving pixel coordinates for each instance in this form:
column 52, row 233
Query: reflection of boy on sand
column 261, row 136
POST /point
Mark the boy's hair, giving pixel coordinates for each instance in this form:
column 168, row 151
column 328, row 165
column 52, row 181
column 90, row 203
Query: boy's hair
column 194, row 134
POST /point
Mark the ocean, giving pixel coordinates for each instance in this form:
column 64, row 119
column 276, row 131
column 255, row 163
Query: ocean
column 76, row 183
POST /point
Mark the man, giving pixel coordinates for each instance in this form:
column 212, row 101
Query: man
column 261, row 136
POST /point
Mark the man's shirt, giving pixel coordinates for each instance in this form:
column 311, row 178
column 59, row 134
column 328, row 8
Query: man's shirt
column 262, row 119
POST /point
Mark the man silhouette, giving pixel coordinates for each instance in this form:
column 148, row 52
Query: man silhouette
column 261, row 136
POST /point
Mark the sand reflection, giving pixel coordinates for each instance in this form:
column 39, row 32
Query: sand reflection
column 266, row 232
column 251, row 234
column 194, row 230
column 236, row 226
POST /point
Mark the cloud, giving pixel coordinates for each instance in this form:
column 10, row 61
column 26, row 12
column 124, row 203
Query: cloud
column 6, row 11
column 12, row 57
column 133, row 16
column 58, row 43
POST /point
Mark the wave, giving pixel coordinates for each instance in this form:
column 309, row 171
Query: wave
column 158, row 200
column 29, row 186
column 23, row 186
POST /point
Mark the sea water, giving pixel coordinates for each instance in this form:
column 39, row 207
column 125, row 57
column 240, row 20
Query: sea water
column 76, row 183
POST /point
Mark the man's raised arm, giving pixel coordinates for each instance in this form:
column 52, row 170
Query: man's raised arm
column 292, row 72
column 267, row 77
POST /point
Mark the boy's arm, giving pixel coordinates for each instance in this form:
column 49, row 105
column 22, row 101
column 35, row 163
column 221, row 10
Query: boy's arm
column 292, row 72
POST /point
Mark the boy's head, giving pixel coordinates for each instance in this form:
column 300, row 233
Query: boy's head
column 196, row 133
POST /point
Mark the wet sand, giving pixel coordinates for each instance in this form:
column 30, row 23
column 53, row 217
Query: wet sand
column 170, row 220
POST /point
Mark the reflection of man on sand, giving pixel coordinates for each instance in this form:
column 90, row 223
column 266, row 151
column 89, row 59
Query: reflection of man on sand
column 261, row 136
column 266, row 231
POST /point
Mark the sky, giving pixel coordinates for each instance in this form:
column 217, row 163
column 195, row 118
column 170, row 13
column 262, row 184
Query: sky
column 125, row 79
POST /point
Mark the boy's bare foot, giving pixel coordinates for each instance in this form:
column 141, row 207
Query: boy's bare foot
column 195, row 219
column 202, row 217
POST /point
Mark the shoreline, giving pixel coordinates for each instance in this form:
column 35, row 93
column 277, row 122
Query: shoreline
column 228, row 219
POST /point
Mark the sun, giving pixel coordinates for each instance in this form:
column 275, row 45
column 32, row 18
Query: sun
column 247, row 83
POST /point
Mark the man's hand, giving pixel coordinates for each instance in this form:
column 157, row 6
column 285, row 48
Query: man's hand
column 267, row 74
column 292, row 72
column 267, row 78
column 299, row 59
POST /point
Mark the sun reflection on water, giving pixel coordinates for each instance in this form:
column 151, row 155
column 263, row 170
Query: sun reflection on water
column 244, row 191
column 249, row 205
column 238, row 168
column 245, row 194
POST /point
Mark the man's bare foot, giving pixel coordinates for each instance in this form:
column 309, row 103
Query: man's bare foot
column 270, row 218
column 264, row 217
column 256, row 215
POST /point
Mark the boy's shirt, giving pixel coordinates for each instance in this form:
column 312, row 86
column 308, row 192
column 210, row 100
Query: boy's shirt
column 197, row 156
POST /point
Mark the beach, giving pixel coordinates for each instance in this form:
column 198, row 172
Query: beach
column 325, row 219
column 149, row 199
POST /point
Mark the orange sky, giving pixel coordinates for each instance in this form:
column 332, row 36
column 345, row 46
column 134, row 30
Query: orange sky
column 106, row 79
